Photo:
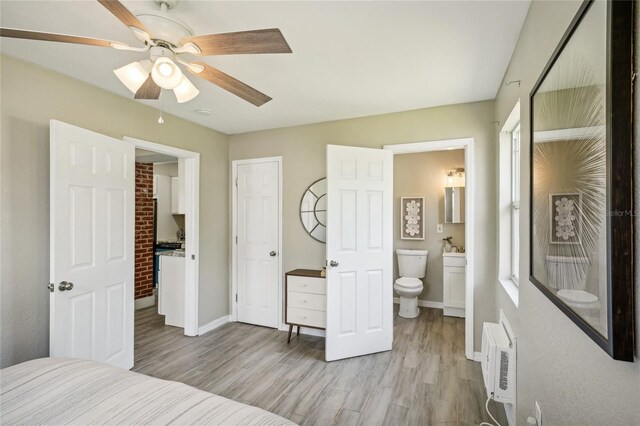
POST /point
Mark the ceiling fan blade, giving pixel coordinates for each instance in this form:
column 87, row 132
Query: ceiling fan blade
column 257, row 41
column 231, row 84
column 123, row 14
column 63, row 38
column 148, row 90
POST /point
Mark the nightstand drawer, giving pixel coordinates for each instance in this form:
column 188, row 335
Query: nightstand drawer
column 307, row 284
column 316, row 302
column 306, row 317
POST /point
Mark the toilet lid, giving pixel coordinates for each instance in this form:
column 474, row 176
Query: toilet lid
column 409, row 282
column 576, row 296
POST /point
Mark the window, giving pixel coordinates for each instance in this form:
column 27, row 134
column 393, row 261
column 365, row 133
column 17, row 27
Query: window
column 509, row 204
column 515, row 203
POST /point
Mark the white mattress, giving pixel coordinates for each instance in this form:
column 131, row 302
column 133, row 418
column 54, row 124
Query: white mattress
column 56, row 391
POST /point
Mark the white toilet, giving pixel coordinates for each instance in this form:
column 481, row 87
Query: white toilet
column 412, row 266
column 569, row 276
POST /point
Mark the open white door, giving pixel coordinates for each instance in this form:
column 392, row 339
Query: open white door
column 92, row 245
column 359, row 251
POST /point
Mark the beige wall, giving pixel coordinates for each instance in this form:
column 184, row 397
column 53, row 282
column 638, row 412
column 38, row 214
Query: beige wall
column 303, row 149
column 31, row 96
column 574, row 380
column 424, row 175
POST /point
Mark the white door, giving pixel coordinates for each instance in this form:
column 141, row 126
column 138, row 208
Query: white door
column 359, row 251
column 92, row 245
column 258, row 243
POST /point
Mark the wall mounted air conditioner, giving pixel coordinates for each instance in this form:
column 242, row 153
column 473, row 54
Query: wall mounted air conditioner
column 499, row 361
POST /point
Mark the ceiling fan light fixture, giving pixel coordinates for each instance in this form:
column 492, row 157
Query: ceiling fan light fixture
column 185, row 91
column 166, row 73
column 133, row 75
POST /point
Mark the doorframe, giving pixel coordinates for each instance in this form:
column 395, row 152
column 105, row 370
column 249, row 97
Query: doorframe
column 233, row 284
column 191, row 224
column 467, row 144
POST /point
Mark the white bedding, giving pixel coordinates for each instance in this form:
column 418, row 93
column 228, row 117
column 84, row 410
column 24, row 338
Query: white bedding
column 57, row 391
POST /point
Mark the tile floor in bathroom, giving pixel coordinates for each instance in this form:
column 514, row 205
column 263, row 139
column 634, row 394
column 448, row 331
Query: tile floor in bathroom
column 424, row 380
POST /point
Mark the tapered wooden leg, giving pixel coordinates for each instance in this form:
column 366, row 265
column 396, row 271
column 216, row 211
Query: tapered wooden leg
column 298, row 331
column 290, row 330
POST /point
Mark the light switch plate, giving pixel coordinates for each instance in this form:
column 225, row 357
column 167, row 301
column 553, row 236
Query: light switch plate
column 538, row 414
column 439, row 228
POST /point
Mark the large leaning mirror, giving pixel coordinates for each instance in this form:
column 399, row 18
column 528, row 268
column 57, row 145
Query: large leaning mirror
column 581, row 162
column 313, row 210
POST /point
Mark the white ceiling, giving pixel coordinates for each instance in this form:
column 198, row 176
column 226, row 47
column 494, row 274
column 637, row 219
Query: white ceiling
column 350, row 58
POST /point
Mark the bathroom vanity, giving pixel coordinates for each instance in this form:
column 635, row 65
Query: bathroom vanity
column 453, row 299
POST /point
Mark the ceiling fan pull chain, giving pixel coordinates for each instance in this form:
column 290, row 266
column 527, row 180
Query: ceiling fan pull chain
column 160, row 119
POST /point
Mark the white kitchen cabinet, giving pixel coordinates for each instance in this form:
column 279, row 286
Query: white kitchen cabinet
column 454, row 282
column 177, row 196
column 171, row 290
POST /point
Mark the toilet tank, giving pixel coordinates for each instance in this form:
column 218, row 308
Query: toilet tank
column 412, row 263
column 565, row 272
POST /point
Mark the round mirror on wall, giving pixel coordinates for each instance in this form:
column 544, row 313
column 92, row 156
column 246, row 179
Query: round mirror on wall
column 313, row 210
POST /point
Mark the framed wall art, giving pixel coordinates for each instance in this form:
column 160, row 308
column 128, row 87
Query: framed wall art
column 565, row 215
column 581, row 253
column 412, row 218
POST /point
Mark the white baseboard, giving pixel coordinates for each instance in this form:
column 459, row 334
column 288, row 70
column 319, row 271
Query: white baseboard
column 145, row 302
column 423, row 303
column 213, row 325
column 477, row 356
column 304, row 330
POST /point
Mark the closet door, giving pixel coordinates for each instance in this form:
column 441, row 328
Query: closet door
column 258, row 219
column 359, row 251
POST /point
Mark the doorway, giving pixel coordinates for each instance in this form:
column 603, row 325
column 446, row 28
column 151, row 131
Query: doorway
column 465, row 144
column 176, row 183
column 256, row 272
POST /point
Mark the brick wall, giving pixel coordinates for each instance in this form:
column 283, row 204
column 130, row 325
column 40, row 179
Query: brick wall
column 144, row 230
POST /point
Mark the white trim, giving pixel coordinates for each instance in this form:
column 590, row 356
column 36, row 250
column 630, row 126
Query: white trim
column 477, row 356
column 303, row 330
column 233, row 284
column 213, row 325
column 145, row 302
column 192, row 225
column 512, row 289
column 468, row 145
column 423, row 303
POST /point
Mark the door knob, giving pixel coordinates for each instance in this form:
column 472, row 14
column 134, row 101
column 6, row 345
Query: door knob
column 65, row 286
column 273, row 253
column 333, row 263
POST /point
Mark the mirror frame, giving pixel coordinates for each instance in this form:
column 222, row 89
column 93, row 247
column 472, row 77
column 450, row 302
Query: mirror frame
column 619, row 343
column 300, row 211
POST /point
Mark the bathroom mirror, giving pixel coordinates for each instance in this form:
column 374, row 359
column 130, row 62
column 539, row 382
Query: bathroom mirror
column 313, row 210
column 454, row 204
column 581, row 177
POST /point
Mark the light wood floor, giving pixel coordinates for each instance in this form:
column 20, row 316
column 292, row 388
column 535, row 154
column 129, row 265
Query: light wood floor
column 424, row 380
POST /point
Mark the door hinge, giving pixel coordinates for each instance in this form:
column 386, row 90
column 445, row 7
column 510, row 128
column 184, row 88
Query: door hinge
column 236, row 182
column 236, row 239
column 236, row 297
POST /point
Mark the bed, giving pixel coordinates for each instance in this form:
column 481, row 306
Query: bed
column 56, row 391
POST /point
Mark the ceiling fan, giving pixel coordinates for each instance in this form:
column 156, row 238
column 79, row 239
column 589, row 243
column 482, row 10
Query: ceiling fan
column 166, row 44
